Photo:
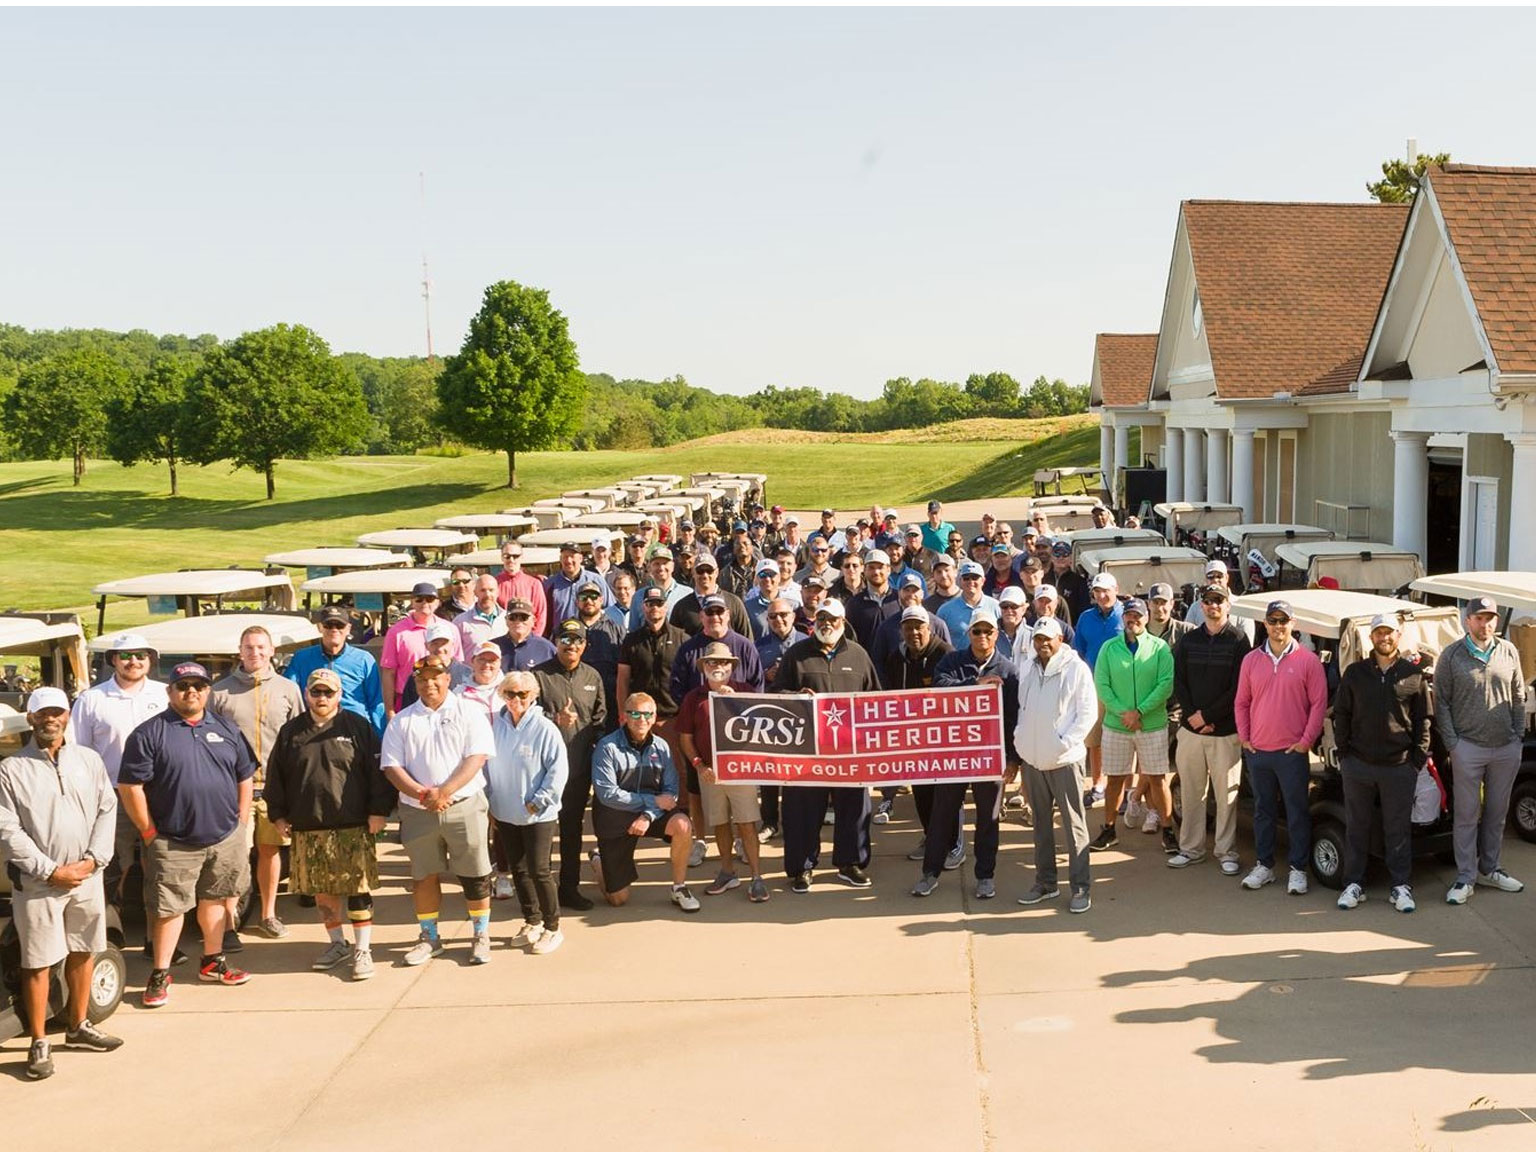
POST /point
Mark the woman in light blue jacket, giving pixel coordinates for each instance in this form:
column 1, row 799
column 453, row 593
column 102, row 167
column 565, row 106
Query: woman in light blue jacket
column 524, row 779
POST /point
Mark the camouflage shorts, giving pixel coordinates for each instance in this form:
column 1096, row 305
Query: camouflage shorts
column 339, row 862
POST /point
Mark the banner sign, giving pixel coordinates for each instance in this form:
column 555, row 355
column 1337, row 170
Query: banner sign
column 915, row 736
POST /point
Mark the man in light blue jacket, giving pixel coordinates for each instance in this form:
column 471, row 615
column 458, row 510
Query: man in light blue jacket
column 524, row 779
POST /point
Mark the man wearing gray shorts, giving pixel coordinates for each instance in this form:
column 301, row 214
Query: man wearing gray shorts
column 187, row 782
column 57, row 816
column 1480, row 712
column 433, row 753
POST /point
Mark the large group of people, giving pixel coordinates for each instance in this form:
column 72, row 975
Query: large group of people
column 502, row 720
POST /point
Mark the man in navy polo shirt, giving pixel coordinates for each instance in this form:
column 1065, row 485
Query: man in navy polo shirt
column 187, row 781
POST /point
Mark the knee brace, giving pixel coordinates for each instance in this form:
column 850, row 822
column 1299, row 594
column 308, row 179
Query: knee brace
column 476, row 887
column 360, row 907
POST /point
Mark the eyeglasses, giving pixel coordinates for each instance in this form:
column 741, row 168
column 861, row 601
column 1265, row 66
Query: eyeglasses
column 132, row 655
column 190, row 686
column 639, row 715
column 524, row 695
column 970, row 576
column 323, row 693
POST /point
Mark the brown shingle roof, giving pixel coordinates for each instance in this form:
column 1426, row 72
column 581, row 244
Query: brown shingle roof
column 1490, row 214
column 1125, row 366
column 1289, row 291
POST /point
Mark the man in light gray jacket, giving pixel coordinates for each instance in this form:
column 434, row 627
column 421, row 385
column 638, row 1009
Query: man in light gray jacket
column 1057, row 708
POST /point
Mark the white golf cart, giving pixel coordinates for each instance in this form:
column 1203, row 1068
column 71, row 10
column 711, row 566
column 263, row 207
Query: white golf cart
column 1249, row 550
column 1357, row 565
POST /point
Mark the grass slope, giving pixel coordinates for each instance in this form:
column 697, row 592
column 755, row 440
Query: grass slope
column 58, row 541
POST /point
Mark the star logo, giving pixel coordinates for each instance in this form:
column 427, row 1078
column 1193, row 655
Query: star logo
column 834, row 716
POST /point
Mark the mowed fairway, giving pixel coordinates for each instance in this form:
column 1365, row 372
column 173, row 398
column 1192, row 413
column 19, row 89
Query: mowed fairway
column 58, row 540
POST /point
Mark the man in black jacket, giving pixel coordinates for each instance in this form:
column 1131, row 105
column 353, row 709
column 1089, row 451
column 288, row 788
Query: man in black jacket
column 325, row 790
column 1381, row 730
column 686, row 612
column 1208, row 754
column 826, row 661
column 911, row 664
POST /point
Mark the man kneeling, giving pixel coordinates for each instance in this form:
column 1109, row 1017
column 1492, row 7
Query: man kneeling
column 635, row 786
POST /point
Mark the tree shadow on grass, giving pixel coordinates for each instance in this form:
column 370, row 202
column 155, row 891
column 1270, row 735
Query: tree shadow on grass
column 71, row 510
column 1014, row 471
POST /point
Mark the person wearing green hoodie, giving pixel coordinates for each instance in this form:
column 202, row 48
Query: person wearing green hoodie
column 1134, row 678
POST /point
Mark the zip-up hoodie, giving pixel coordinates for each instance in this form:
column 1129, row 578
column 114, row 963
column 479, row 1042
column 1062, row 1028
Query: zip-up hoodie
column 1382, row 717
column 1140, row 680
column 529, row 766
column 905, row 668
column 1057, row 710
column 259, row 708
column 1280, row 703
column 1094, row 630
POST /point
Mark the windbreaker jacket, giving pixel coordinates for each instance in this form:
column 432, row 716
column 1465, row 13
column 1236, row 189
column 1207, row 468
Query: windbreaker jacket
column 1140, row 680
column 1057, row 709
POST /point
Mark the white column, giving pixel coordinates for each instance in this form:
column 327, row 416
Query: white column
column 1216, row 488
column 1194, row 465
column 1242, row 471
column 1173, row 462
column 1123, row 447
column 1410, row 490
column 1522, row 502
column 1106, row 449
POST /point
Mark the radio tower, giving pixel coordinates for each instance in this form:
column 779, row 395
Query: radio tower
column 426, row 276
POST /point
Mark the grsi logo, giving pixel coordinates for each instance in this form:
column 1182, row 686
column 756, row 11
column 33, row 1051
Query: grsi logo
column 767, row 725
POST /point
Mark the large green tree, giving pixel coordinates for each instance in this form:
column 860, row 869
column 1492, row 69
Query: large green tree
column 516, row 384
column 149, row 420
column 1400, row 180
column 274, row 394
column 59, row 406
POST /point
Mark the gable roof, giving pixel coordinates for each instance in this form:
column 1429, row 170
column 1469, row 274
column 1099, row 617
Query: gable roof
column 1490, row 217
column 1289, row 292
column 1124, row 362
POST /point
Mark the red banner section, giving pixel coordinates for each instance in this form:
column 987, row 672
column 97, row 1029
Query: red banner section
column 921, row 736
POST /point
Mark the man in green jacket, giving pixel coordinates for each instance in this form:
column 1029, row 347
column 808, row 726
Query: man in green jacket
column 1134, row 678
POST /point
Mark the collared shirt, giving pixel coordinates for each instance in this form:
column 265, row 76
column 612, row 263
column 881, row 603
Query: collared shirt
column 54, row 809
column 649, row 656
column 191, row 774
column 259, row 708
column 358, row 672
column 103, row 717
column 526, row 656
column 529, row 766
column 524, row 586
column 560, row 591
column 431, row 743
column 404, row 644
column 476, row 627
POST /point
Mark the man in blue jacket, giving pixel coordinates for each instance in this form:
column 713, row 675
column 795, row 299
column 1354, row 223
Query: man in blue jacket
column 356, row 668
column 1095, row 625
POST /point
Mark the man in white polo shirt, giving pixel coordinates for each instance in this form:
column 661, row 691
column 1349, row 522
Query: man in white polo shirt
column 433, row 753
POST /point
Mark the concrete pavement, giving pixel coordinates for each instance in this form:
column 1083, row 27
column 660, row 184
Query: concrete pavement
column 1180, row 1012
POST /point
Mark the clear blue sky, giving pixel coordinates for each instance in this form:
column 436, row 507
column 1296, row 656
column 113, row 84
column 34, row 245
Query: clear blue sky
column 792, row 197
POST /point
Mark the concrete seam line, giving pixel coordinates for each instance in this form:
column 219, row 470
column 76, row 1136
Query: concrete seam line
column 983, row 1091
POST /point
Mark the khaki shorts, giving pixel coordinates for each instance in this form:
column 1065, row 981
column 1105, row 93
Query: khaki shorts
column 1096, row 734
column 456, row 840
column 266, row 833
column 1145, row 752
column 178, row 876
column 729, row 803
column 52, row 923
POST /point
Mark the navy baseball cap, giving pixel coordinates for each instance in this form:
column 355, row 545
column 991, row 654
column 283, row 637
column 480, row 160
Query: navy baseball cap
column 191, row 670
column 1279, row 608
column 1137, row 606
column 1480, row 605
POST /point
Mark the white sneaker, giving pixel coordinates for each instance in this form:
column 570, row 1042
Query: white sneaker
column 1151, row 823
column 529, row 934
column 1135, row 813
column 1297, row 884
column 685, row 899
column 696, row 856
column 1185, row 859
column 503, row 887
column 1402, row 898
column 1231, row 866
column 1353, row 896
column 1501, row 880
column 740, row 850
column 1459, row 894
column 1259, row 877
column 548, row 942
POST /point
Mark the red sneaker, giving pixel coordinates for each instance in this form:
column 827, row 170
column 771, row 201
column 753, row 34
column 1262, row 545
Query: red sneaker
column 158, row 990
column 218, row 971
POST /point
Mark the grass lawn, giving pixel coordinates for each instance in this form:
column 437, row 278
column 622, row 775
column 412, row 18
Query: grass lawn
column 58, row 540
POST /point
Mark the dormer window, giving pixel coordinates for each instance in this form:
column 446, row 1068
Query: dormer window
column 1196, row 316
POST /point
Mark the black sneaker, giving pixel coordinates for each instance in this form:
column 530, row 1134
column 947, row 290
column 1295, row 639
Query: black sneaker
column 1170, row 842
column 232, row 941
column 178, row 957
column 854, row 876
column 40, row 1060
column 1105, row 839
column 158, row 990
column 92, row 1037
column 800, row 883
column 574, row 901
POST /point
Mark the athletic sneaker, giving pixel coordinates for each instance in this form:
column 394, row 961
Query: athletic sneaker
column 1170, row 841
column 985, row 889
column 769, row 831
column 723, row 883
column 955, row 858
column 1015, row 801
column 548, row 942
column 1185, row 859
column 338, row 951
column 1259, row 877
column 218, row 971
column 1501, row 880
column 480, row 950
column 1151, row 823
column 362, row 964
column 1352, row 897
column 158, row 990
column 740, row 851
column 854, row 876
column 1092, row 796
column 1401, row 898
column 1296, row 884
column 1080, row 901
column 1038, row 893
column 882, row 813
column 800, row 883
column 926, row 885
column 757, row 891
column 1105, row 839
column 920, row 851
column 697, row 853
column 40, row 1060
column 684, row 899
column 272, row 928
column 423, row 950
column 1135, row 812
column 529, row 934
column 1231, row 866
column 504, row 889
column 1460, row 893
column 92, row 1037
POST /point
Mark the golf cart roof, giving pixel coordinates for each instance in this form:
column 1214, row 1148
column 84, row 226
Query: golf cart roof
column 1062, row 519
column 542, row 516
column 1507, row 589
column 1346, row 616
column 1363, row 565
column 611, row 496
column 1097, row 539
column 667, row 478
column 575, row 503
column 570, row 534
column 194, row 582
column 24, row 634
column 420, row 538
column 613, row 518
column 490, row 558
column 339, row 558
column 1063, row 501
column 1138, row 567
column 216, row 635
column 1192, row 516
column 484, row 523
column 389, row 581
column 702, row 492
column 1258, row 535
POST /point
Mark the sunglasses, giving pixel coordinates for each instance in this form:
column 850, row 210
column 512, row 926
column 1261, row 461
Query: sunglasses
column 589, row 595
column 322, row 692
column 190, row 686
column 132, row 655
column 571, row 641
column 466, row 581
column 714, row 611
column 1276, row 621
column 334, row 625
column 1213, row 601
column 639, row 715
column 781, row 615
column 422, row 599
column 970, row 576
column 524, row 695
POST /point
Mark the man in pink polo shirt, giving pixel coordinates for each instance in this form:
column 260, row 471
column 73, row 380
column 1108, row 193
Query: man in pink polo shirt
column 512, row 583
column 1281, row 697
column 406, row 642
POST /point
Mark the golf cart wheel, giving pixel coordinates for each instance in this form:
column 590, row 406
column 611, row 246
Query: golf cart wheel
column 1522, row 807
column 108, row 981
column 1328, row 853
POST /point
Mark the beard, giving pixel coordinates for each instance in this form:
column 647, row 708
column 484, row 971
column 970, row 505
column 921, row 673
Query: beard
column 828, row 634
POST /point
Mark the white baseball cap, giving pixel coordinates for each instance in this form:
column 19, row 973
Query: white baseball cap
column 1216, row 566
column 1046, row 626
column 440, row 630
column 832, row 607
column 41, row 698
column 1105, row 580
column 1012, row 594
column 602, row 540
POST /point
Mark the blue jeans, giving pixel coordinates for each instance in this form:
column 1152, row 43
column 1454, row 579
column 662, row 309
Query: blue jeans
column 1287, row 773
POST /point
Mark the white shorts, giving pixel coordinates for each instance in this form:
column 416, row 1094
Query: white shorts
column 52, row 926
column 1126, row 752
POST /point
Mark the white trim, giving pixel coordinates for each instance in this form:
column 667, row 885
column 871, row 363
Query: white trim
column 1398, row 263
column 1467, row 545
